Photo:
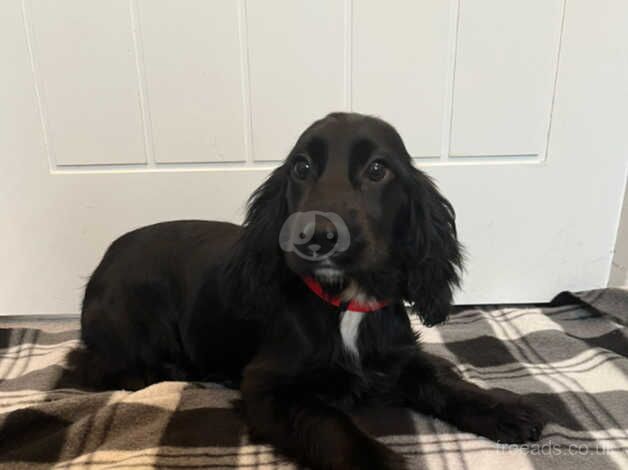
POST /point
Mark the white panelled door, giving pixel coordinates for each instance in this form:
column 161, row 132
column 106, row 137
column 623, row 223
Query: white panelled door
column 120, row 113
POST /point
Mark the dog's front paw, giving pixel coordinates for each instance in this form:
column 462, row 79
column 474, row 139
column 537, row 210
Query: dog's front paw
column 373, row 455
column 517, row 423
column 512, row 422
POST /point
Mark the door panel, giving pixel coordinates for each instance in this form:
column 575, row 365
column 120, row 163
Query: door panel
column 120, row 114
column 400, row 59
column 296, row 69
column 506, row 65
column 192, row 69
column 87, row 81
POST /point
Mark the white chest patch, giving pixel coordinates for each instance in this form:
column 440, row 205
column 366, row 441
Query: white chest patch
column 349, row 330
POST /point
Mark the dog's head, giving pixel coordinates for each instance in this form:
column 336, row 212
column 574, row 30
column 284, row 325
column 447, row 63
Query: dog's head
column 348, row 207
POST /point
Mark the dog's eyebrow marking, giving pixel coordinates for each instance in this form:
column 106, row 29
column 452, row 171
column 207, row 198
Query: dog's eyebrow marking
column 361, row 151
column 317, row 150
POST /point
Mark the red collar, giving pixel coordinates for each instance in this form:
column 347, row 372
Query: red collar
column 353, row 305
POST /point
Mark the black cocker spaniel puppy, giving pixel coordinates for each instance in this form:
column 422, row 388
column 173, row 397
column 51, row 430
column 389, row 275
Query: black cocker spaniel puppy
column 303, row 306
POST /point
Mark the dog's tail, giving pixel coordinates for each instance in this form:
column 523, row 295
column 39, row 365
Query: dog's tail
column 86, row 369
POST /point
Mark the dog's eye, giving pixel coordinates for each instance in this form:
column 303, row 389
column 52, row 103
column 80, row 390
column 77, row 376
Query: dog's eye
column 301, row 168
column 376, row 171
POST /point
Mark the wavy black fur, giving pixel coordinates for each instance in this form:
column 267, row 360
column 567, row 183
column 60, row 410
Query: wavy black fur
column 196, row 300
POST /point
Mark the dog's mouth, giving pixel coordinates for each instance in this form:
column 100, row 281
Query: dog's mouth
column 332, row 279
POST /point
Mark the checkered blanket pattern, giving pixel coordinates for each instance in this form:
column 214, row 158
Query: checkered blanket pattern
column 570, row 358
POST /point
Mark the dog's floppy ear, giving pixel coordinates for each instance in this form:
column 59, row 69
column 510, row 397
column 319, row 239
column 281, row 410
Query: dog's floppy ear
column 255, row 270
column 433, row 255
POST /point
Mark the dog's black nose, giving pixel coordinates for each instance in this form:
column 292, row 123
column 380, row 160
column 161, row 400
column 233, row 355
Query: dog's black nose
column 323, row 241
column 315, row 234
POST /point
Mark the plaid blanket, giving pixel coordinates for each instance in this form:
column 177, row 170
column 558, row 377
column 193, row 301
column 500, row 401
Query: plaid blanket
column 570, row 358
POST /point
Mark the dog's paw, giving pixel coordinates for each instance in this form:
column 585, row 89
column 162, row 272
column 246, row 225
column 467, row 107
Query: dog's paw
column 373, row 455
column 511, row 423
column 518, row 423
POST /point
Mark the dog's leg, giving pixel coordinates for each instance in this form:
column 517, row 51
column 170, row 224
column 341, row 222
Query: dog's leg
column 500, row 415
column 304, row 427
